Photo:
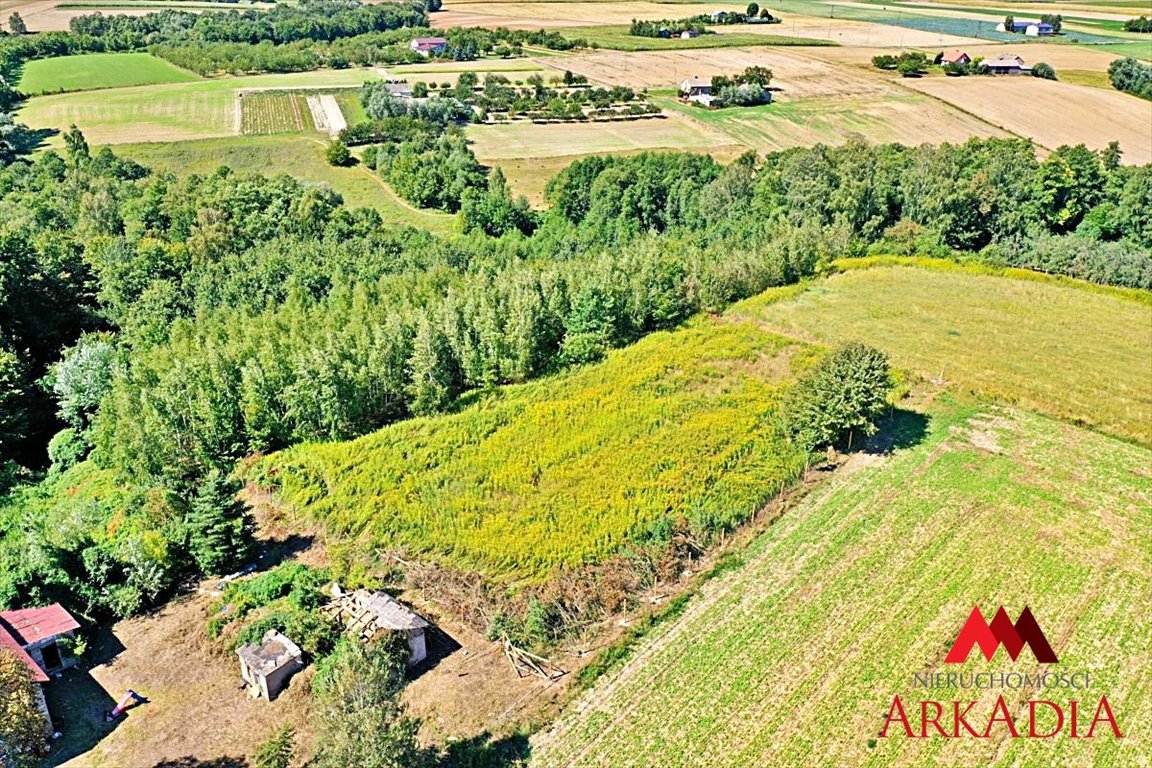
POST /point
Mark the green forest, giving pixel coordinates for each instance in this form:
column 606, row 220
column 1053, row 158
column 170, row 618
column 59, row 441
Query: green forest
column 157, row 329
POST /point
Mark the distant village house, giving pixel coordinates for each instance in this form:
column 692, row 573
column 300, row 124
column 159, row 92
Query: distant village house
column 697, row 90
column 33, row 635
column 955, row 56
column 428, row 46
column 1006, row 65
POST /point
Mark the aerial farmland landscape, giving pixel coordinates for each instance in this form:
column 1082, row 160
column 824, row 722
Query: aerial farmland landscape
column 565, row 383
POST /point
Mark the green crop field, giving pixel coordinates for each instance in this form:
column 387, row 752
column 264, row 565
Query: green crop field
column 793, row 660
column 169, row 112
column 566, row 470
column 296, row 155
column 616, row 38
column 92, row 71
column 1042, row 346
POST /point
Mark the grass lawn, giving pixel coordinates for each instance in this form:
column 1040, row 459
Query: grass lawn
column 1044, row 347
column 1135, row 50
column 1084, row 77
column 295, row 155
column 794, row 658
column 168, row 112
column 90, row 71
column 617, row 38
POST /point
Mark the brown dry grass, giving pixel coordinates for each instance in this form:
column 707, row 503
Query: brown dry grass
column 195, row 705
column 1051, row 113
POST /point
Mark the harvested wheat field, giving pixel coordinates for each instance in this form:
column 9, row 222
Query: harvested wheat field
column 798, row 75
column 862, row 34
column 1051, row 113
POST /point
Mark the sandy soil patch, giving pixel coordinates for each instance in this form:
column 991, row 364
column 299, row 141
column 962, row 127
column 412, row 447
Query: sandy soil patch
column 326, row 114
column 1052, row 113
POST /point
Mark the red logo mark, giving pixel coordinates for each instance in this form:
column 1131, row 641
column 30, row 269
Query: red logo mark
column 1001, row 631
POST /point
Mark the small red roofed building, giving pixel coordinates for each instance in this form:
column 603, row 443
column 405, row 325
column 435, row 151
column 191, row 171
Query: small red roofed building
column 955, row 56
column 32, row 635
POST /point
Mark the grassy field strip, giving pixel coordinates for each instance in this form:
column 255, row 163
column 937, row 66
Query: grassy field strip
column 98, row 70
column 170, row 112
column 793, row 659
column 1020, row 342
column 617, row 38
column 296, row 155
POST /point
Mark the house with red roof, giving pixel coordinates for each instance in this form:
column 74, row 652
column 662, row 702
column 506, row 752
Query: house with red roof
column 33, row 636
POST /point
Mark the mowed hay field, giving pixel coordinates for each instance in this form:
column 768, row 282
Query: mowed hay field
column 98, row 70
column 905, row 118
column 794, row 659
column 1071, row 353
column 169, row 112
column 566, row 470
column 798, row 74
column 522, row 139
column 1051, row 113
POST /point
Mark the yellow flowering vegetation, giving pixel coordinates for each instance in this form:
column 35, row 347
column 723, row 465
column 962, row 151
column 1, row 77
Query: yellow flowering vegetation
column 680, row 427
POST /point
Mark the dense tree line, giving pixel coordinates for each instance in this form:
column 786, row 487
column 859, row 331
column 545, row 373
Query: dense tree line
column 377, row 47
column 319, row 22
column 166, row 327
column 1131, row 76
column 1140, row 24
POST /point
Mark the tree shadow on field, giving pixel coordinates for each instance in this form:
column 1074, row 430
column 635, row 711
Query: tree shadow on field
column 899, row 429
column 29, row 140
column 192, row 762
column 485, row 752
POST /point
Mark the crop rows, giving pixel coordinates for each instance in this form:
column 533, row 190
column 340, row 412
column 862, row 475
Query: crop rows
column 794, row 659
column 268, row 112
